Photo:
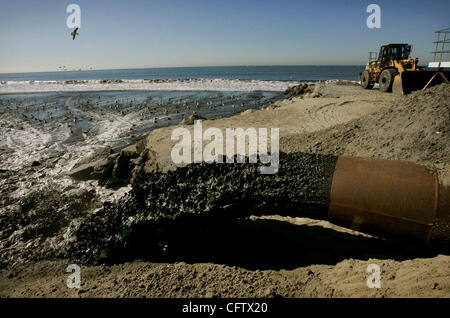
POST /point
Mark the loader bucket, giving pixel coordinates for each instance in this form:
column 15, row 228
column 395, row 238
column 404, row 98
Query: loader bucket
column 408, row 81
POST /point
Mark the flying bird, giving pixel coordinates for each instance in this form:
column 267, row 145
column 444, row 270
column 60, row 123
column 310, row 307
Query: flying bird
column 74, row 33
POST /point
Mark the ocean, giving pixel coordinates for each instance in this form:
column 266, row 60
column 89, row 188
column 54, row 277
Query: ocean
column 229, row 78
column 264, row 73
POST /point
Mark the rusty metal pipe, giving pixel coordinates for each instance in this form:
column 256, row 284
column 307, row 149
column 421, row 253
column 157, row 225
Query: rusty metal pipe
column 390, row 198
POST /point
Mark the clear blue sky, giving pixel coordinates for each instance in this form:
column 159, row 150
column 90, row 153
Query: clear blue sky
column 164, row 33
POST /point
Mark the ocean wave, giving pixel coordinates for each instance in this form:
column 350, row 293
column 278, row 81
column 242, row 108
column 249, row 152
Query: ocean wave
column 205, row 84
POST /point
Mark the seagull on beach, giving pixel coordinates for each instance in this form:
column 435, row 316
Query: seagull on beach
column 74, row 33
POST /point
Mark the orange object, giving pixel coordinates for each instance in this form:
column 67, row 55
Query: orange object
column 390, row 198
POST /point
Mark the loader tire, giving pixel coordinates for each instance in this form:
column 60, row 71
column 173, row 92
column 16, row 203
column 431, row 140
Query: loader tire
column 387, row 79
column 365, row 80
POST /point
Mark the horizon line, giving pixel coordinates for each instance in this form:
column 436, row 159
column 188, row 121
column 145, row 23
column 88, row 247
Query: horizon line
column 163, row 67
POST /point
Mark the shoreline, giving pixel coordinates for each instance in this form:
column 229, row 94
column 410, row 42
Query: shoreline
column 191, row 84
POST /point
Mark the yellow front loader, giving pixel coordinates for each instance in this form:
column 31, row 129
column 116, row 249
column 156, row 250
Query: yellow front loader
column 394, row 71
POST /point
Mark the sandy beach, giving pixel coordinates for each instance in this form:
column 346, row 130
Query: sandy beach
column 270, row 255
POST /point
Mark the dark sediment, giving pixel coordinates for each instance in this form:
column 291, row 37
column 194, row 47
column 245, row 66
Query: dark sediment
column 199, row 201
column 299, row 90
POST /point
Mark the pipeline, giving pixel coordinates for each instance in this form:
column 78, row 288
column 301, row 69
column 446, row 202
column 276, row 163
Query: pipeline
column 385, row 198
column 389, row 198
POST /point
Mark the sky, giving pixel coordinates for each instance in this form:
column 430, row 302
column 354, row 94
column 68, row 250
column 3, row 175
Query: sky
column 34, row 36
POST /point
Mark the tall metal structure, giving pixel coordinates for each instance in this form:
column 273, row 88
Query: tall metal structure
column 441, row 49
column 443, row 38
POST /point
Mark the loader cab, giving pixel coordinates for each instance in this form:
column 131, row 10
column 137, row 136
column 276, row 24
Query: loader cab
column 389, row 52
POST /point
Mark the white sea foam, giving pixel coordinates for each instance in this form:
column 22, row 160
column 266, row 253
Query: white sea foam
column 145, row 84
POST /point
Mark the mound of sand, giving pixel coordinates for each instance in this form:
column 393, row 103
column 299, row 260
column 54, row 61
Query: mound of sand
column 339, row 104
column 415, row 128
